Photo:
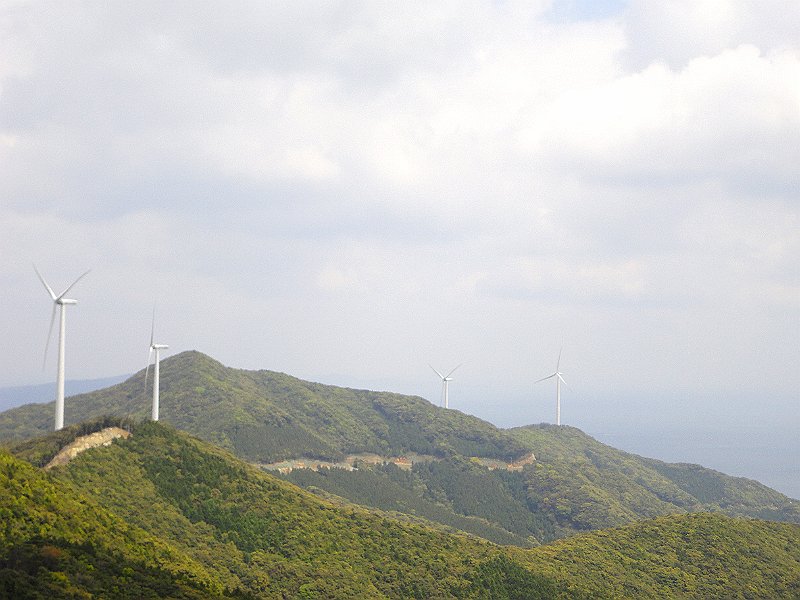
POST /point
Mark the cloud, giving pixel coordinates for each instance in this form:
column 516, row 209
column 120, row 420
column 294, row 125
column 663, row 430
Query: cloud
column 363, row 188
column 675, row 33
column 555, row 280
column 732, row 118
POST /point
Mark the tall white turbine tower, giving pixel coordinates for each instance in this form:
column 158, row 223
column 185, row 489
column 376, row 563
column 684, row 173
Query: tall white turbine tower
column 58, row 300
column 446, row 379
column 559, row 380
column 154, row 348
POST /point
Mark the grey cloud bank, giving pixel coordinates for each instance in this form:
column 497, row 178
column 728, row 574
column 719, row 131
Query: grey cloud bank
column 348, row 192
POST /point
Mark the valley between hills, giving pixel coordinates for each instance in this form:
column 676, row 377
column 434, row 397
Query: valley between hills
column 432, row 503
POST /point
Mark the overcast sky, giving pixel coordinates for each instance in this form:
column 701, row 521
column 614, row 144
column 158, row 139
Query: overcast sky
column 348, row 191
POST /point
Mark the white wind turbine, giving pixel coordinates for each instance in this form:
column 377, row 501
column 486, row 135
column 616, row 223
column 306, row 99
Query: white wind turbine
column 58, row 300
column 153, row 348
column 446, row 379
column 559, row 380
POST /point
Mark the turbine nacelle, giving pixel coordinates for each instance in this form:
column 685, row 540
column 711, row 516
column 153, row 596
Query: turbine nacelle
column 58, row 300
column 557, row 374
column 559, row 380
column 446, row 379
column 154, row 348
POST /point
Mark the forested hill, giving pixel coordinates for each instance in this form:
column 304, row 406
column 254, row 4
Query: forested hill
column 161, row 514
column 164, row 515
column 266, row 416
column 576, row 484
column 589, row 485
column 678, row 556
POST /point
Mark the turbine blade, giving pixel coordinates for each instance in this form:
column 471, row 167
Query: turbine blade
column 49, row 334
column 44, row 283
column 453, row 371
column 437, row 372
column 562, row 379
column 147, row 369
column 543, row 378
column 71, row 285
column 152, row 328
column 558, row 362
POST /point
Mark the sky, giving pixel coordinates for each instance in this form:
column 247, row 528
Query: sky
column 352, row 191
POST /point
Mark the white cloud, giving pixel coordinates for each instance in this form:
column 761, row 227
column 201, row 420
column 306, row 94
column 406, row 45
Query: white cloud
column 333, row 279
column 734, row 117
column 381, row 185
column 679, row 31
column 551, row 279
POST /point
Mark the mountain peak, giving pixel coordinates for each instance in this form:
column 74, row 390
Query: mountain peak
column 267, row 416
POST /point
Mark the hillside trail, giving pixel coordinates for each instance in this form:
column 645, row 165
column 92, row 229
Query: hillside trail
column 405, row 462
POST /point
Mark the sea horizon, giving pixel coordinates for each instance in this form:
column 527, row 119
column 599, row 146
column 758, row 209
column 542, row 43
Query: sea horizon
column 767, row 454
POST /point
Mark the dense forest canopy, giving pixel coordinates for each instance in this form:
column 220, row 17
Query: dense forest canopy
column 182, row 518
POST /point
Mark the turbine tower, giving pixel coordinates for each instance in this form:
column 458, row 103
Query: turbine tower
column 446, row 379
column 154, row 348
column 559, row 380
column 58, row 300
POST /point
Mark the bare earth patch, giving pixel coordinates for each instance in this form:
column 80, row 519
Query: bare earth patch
column 93, row 440
column 404, row 462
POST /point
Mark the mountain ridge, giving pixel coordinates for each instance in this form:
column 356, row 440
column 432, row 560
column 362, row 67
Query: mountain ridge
column 268, row 416
column 576, row 484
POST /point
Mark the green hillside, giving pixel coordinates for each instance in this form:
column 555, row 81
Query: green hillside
column 265, row 416
column 389, row 488
column 679, row 556
column 56, row 543
column 162, row 514
column 239, row 529
column 584, row 484
column 453, row 492
column 576, row 484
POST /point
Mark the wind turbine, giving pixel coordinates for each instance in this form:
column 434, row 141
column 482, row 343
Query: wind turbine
column 153, row 348
column 446, row 379
column 58, row 300
column 559, row 380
